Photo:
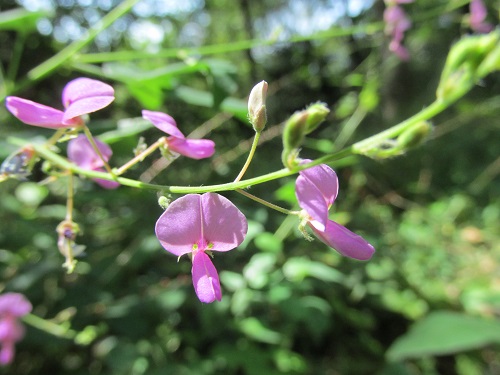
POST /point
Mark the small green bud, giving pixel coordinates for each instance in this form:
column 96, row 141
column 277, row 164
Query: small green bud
column 490, row 64
column 415, row 136
column 316, row 114
column 163, row 202
column 295, row 130
column 257, row 113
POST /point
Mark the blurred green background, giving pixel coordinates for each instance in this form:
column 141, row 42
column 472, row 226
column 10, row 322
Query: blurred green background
column 427, row 303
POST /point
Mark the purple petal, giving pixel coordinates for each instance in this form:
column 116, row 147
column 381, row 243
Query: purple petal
column 7, row 353
column 81, row 152
column 10, row 329
column 180, row 226
column 224, row 225
column 85, row 95
column 37, row 114
column 344, row 241
column 325, row 179
column 205, row 278
column 192, row 148
column 163, row 122
column 316, row 189
column 106, row 184
column 312, row 201
column 15, row 304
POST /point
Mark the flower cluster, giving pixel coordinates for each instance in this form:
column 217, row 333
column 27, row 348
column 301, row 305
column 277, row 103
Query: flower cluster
column 12, row 307
column 396, row 24
column 197, row 225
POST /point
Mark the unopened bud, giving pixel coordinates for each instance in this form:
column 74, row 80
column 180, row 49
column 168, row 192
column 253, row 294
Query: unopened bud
column 414, row 136
column 67, row 231
column 469, row 60
column 316, row 114
column 257, row 114
column 295, row 130
column 164, row 202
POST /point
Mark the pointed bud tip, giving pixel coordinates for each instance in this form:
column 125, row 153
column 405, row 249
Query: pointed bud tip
column 257, row 113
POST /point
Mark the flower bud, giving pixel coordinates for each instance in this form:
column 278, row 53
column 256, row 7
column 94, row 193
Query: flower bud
column 257, row 114
column 415, row 136
column 295, row 130
column 164, row 202
column 67, row 231
column 469, row 60
column 316, row 114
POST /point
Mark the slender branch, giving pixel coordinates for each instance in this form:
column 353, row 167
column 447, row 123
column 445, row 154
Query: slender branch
column 358, row 148
column 49, row 327
column 250, row 156
column 140, row 157
column 91, row 139
column 266, row 203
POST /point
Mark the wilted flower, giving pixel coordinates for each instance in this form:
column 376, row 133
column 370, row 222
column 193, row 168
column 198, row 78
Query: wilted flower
column 478, row 13
column 177, row 142
column 12, row 307
column 81, row 152
column 316, row 190
column 196, row 224
column 80, row 96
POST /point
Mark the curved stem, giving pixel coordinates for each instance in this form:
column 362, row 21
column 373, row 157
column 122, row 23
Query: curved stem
column 49, row 327
column 266, row 203
column 250, row 156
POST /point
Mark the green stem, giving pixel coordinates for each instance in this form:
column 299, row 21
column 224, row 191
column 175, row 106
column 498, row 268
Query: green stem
column 91, row 139
column 49, row 327
column 358, row 148
column 266, row 203
column 140, row 157
column 67, row 53
column 16, row 58
column 225, row 48
column 250, row 156
column 425, row 114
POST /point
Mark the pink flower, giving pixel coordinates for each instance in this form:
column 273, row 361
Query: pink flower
column 195, row 224
column 80, row 96
column 396, row 23
column 316, row 190
column 192, row 148
column 81, row 152
column 12, row 307
column 478, row 13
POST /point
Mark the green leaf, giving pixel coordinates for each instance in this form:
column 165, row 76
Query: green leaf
column 126, row 127
column 201, row 98
column 445, row 332
column 253, row 328
column 267, row 242
column 20, row 20
column 298, row 268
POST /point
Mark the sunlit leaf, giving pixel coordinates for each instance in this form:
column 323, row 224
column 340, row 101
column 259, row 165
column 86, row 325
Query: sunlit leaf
column 445, row 332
